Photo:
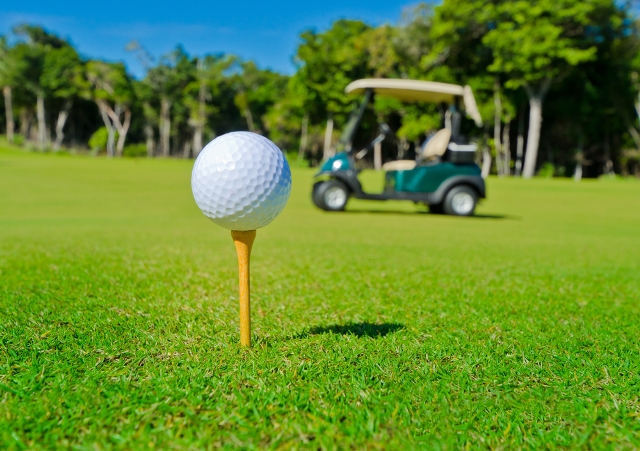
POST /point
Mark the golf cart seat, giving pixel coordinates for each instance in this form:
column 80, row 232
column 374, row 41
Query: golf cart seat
column 399, row 165
column 435, row 147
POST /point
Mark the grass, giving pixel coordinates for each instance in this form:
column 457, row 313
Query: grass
column 378, row 328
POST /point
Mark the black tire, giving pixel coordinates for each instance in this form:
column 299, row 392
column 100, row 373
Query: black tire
column 436, row 209
column 331, row 195
column 460, row 201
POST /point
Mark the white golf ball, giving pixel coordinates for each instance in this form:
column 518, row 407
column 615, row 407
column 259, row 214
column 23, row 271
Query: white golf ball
column 241, row 181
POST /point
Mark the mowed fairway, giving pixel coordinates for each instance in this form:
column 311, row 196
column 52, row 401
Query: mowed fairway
column 379, row 328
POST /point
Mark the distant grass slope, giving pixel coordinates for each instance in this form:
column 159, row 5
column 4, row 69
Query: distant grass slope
column 378, row 328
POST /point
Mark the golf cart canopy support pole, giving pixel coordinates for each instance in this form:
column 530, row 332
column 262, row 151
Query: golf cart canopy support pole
column 353, row 123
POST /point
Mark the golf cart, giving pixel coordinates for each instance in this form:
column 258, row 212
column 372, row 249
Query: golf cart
column 444, row 174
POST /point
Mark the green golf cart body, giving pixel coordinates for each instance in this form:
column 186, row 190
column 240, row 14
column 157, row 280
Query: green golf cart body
column 444, row 174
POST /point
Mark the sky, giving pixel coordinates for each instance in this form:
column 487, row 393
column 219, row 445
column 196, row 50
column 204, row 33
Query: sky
column 265, row 31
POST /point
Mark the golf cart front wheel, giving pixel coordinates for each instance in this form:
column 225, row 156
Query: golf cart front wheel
column 460, row 201
column 331, row 195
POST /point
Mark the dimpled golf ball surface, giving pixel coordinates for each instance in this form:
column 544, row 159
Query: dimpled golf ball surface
column 241, row 181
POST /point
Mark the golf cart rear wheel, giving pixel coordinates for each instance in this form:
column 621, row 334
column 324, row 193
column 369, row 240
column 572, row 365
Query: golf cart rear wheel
column 460, row 201
column 331, row 195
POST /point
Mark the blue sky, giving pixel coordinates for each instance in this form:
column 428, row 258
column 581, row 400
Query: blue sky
column 264, row 31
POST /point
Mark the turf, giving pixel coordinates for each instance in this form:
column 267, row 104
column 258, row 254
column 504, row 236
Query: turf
column 383, row 327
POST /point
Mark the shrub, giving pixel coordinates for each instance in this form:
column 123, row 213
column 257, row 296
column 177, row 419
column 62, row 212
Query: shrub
column 98, row 140
column 18, row 139
column 135, row 150
column 547, row 170
column 295, row 162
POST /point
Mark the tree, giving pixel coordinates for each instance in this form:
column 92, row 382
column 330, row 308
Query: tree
column 504, row 111
column 30, row 55
column 536, row 44
column 413, row 44
column 382, row 55
column 29, row 59
column 314, row 96
column 457, row 51
column 168, row 79
column 256, row 91
column 112, row 91
column 7, row 79
column 145, row 92
column 327, row 63
column 287, row 121
column 147, row 97
column 62, row 79
column 210, row 71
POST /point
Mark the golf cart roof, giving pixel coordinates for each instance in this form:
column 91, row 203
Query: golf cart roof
column 418, row 91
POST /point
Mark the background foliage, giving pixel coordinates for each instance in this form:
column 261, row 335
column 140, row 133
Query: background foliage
column 556, row 84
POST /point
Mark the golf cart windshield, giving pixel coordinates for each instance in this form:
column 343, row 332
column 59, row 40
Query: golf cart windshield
column 346, row 140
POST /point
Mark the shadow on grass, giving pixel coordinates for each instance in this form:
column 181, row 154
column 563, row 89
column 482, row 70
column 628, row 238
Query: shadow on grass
column 363, row 329
column 399, row 212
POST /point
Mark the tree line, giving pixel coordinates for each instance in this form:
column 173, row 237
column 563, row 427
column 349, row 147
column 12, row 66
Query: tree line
column 556, row 82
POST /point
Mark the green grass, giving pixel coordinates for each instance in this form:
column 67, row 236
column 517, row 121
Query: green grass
column 379, row 328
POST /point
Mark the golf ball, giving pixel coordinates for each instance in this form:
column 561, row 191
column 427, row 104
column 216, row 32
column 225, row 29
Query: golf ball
column 241, row 181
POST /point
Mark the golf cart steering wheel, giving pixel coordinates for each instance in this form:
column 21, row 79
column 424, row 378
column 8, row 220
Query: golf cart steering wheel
column 385, row 132
column 384, row 128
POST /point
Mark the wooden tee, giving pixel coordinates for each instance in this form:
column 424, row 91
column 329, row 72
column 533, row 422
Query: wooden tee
column 244, row 241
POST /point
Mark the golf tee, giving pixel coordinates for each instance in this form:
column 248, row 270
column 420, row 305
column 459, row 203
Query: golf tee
column 244, row 241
